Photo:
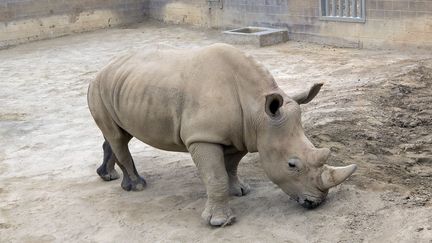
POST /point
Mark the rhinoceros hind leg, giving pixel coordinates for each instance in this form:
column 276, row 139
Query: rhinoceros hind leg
column 236, row 186
column 116, row 148
column 210, row 162
column 106, row 171
column 119, row 139
column 137, row 185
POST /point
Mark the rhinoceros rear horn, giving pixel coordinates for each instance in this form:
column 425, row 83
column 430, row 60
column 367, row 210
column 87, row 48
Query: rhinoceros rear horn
column 322, row 154
column 273, row 103
column 307, row 95
column 333, row 176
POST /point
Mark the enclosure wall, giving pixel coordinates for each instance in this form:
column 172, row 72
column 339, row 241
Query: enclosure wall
column 26, row 20
column 404, row 23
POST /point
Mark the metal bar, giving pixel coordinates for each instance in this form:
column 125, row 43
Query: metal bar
column 340, row 8
column 363, row 11
column 333, row 8
column 346, row 8
column 354, row 8
column 327, row 7
column 322, row 8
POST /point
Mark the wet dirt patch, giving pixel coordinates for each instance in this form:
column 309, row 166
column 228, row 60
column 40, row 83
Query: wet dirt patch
column 391, row 137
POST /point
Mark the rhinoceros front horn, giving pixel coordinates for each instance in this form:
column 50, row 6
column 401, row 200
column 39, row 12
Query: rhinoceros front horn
column 333, row 176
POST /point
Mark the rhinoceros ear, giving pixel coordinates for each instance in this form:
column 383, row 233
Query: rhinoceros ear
column 273, row 103
column 307, row 95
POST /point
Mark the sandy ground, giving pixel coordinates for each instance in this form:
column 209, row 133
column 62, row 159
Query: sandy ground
column 375, row 110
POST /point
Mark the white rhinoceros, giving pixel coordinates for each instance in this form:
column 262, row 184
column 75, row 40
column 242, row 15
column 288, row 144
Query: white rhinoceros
column 217, row 104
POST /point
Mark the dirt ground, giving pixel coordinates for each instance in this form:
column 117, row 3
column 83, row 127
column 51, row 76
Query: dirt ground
column 374, row 110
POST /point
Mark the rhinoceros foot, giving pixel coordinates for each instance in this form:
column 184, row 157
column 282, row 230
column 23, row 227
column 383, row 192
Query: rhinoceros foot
column 237, row 187
column 133, row 185
column 218, row 215
column 107, row 175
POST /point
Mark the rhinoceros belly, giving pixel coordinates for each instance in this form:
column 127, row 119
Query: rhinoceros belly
column 152, row 113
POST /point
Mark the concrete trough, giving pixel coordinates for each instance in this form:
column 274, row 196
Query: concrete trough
column 259, row 36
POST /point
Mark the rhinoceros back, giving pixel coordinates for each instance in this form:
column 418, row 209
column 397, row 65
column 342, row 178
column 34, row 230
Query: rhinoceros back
column 170, row 99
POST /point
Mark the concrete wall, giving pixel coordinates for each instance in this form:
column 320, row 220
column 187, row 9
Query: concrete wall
column 26, row 20
column 389, row 24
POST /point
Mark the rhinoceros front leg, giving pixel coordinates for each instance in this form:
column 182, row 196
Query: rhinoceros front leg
column 236, row 186
column 209, row 158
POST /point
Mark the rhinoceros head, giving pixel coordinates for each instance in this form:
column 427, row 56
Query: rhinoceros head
column 288, row 157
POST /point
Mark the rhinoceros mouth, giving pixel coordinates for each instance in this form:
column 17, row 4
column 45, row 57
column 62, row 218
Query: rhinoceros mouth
column 309, row 202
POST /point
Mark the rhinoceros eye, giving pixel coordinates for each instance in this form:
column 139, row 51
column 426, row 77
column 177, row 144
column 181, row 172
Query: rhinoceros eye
column 294, row 162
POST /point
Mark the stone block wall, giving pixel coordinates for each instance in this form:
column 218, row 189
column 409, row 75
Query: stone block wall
column 389, row 24
column 26, row 20
column 194, row 12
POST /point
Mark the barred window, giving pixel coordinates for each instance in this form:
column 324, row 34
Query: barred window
column 343, row 10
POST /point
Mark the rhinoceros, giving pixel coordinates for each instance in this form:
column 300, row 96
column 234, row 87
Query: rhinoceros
column 217, row 103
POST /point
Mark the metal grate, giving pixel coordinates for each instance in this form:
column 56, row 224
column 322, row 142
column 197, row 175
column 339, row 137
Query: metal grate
column 214, row 3
column 343, row 10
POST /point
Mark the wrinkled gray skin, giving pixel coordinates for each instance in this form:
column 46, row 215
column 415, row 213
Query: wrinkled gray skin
column 217, row 104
